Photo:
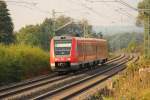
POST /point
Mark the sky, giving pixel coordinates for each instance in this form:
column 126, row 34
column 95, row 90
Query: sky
column 26, row 12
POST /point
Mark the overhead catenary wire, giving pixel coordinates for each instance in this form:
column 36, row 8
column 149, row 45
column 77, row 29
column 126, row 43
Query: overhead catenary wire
column 34, row 6
column 125, row 13
column 87, row 7
column 92, row 1
column 127, row 5
column 119, row 10
column 119, row 1
column 29, row 5
column 22, row 2
column 91, row 9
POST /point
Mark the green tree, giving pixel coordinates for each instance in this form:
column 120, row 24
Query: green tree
column 122, row 41
column 132, row 46
column 85, row 26
column 28, row 35
column 62, row 20
column 75, row 29
column 6, row 25
column 37, row 35
column 46, row 33
column 40, row 35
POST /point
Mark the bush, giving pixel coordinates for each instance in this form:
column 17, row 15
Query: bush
column 131, row 84
column 18, row 62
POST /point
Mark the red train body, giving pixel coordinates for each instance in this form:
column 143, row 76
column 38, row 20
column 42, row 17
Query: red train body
column 73, row 53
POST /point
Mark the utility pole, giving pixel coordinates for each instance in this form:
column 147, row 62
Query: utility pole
column 84, row 29
column 54, row 21
column 147, row 30
column 146, row 11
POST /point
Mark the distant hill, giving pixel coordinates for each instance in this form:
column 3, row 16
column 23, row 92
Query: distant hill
column 120, row 41
column 117, row 29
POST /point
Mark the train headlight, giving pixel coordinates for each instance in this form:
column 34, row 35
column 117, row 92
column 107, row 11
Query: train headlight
column 56, row 59
column 69, row 59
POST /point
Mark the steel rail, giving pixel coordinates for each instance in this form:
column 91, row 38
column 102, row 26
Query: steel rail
column 115, row 70
column 30, row 86
column 54, row 92
column 82, row 94
column 34, row 85
column 114, row 57
column 26, row 82
column 29, row 81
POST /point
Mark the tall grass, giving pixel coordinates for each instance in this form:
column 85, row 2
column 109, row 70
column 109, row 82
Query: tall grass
column 18, row 62
column 131, row 84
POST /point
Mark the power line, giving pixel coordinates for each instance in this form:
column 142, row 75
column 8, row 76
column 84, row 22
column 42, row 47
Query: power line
column 117, row 10
column 92, row 1
column 127, row 5
column 91, row 9
column 29, row 5
column 119, row 1
column 127, row 13
column 23, row 6
column 22, row 2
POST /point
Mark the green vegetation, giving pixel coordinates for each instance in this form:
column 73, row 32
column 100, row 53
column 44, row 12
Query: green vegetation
column 126, row 41
column 19, row 62
column 134, row 82
column 22, row 60
column 6, row 25
column 28, row 56
column 131, row 84
column 144, row 4
column 36, row 35
column 40, row 35
column 112, row 55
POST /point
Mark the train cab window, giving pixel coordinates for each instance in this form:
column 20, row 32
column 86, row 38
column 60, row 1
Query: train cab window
column 62, row 47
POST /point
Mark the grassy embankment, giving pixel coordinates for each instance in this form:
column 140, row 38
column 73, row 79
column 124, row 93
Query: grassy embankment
column 20, row 62
column 131, row 84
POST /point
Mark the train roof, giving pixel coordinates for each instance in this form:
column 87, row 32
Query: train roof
column 78, row 38
column 82, row 38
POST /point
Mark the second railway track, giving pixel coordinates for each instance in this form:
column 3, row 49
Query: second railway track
column 21, row 92
column 72, row 89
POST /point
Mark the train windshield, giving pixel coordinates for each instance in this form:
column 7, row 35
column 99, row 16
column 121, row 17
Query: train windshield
column 62, row 47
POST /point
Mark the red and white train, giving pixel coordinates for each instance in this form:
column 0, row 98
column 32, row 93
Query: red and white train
column 74, row 53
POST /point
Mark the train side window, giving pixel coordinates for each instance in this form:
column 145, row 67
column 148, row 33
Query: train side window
column 79, row 49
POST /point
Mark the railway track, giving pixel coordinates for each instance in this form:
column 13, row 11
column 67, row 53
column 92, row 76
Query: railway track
column 84, row 93
column 34, row 80
column 26, row 82
column 13, row 92
column 70, row 90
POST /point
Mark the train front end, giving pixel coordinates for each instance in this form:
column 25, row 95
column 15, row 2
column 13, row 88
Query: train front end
column 63, row 54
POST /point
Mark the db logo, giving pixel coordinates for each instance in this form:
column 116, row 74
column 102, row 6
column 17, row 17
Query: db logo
column 61, row 58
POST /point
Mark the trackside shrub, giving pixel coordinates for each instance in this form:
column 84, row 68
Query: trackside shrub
column 131, row 84
column 19, row 62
